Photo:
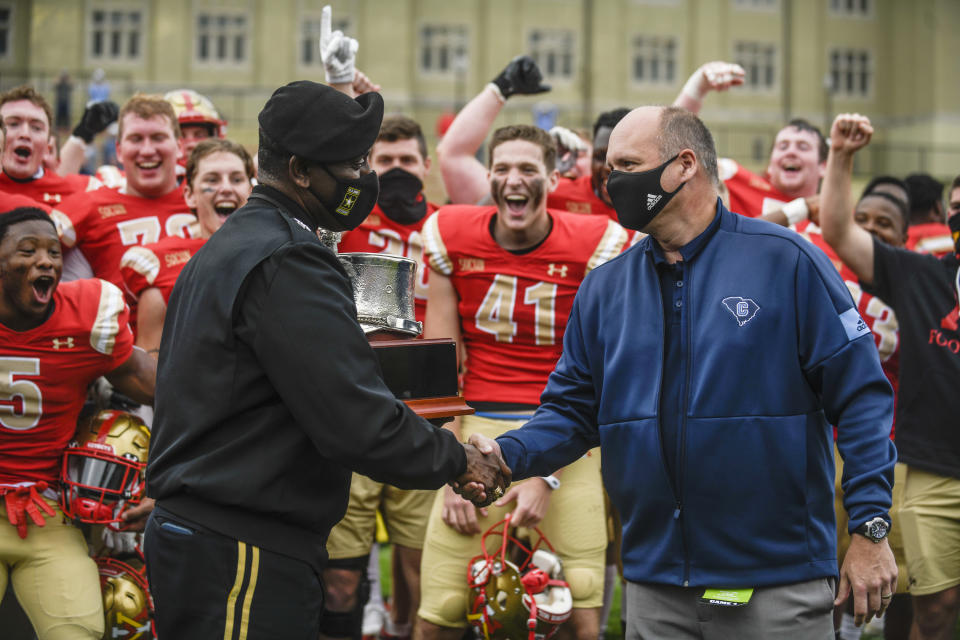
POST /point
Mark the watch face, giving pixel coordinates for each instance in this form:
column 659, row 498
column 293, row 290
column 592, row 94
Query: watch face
column 877, row 529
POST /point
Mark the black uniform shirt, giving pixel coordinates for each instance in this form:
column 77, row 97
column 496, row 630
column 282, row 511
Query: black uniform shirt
column 268, row 393
column 922, row 291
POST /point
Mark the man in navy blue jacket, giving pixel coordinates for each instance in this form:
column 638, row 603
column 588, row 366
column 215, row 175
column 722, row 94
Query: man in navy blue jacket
column 709, row 362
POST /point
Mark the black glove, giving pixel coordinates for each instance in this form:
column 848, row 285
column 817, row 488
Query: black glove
column 96, row 117
column 521, row 76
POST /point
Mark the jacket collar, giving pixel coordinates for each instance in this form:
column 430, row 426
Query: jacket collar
column 286, row 204
column 690, row 250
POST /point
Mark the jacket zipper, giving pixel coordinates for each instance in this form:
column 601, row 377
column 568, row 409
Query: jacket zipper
column 681, row 458
column 672, row 481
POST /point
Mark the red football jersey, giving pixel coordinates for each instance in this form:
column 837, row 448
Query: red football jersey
column 514, row 308
column 104, row 223
column 576, row 195
column 157, row 265
column 50, row 189
column 10, row 201
column 46, row 371
column 750, row 195
column 874, row 311
column 380, row 234
column 931, row 237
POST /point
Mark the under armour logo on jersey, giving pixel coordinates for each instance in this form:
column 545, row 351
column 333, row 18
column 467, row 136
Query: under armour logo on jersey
column 51, row 197
column 743, row 309
column 63, row 343
column 349, row 199
column 652, row 200
column 562, row 270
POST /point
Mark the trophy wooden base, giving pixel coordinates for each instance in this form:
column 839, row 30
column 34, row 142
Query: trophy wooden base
column 423, row 373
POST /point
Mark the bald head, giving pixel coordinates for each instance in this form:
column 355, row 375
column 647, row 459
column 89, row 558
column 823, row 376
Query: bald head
column 663, row 132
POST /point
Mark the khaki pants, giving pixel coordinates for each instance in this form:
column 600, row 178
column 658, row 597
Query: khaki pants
column 53, row 577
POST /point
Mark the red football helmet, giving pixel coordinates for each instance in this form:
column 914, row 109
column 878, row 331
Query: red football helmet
column 518, row 592
column 193, row 108
column 127, row 605
column 103, row 466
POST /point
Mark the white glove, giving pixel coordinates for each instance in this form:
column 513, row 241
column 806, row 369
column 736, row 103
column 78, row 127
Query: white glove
column 568, row 139
column 120, row 542
column 338, row 52
column 713, row 76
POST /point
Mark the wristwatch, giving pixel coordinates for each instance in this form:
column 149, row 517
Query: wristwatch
column 874, row 530
column 552, row 481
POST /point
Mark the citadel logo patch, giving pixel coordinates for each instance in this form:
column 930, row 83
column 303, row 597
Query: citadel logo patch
column 743, row 309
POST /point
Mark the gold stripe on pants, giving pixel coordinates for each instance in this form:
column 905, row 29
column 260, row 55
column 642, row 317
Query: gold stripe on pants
column 238, row 588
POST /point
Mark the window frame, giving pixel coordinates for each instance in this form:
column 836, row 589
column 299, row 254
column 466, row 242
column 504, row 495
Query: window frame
column 774, row 65
column 858, row 53
column 572, row 53
column 662, row 41
column 90, row 28
column 213, row 62
column 450, row 71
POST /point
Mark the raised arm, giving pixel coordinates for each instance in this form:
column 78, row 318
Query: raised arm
column 712, row 76
column 854, row 245
column 96, row 117
column 465, row 177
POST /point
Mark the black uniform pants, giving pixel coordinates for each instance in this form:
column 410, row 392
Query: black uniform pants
column 206, row 585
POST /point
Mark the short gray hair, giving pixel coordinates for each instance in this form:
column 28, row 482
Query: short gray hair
column 679, row 130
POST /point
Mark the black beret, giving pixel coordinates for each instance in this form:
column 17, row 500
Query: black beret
column 321, row 124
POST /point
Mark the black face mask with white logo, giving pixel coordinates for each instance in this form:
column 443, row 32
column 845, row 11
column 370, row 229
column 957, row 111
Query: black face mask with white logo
column 954, row 223
column 401, row 197
column 352, row 202
column 638, row 197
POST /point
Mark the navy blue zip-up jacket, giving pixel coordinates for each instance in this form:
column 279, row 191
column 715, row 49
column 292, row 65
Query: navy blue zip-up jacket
column 778, row 354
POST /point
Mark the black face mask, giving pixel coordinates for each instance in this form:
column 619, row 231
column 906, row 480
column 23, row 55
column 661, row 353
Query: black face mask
column 352, row 202
column 400, row 196
column 638, row 197
column 954, row 223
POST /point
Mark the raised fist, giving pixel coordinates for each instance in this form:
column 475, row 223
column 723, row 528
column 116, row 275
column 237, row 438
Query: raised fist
column 713, row 76
column 96, row 117
column 521, row 75
column 850, row 132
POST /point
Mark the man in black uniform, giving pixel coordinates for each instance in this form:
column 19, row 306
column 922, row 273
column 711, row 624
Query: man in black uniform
column 269, row 395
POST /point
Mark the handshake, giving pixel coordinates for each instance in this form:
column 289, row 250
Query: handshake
column 487, row 475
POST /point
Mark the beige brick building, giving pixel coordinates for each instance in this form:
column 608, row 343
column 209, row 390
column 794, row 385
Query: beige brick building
column 895, row 60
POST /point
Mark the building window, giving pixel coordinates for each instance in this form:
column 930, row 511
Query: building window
column 553, row 51
column 310, row 39
column 6, row 31
column 443, row 48
column 222, row 38
column 116, row 35
column 760, row 5
column 759, row 60
column 851, row 72
column 654, row 60
column 852, row 8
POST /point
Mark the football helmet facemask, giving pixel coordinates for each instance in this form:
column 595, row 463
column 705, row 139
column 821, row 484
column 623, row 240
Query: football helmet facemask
column 104, row 465
column 518, row 592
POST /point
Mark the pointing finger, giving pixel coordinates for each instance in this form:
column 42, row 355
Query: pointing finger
column 325, row 21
